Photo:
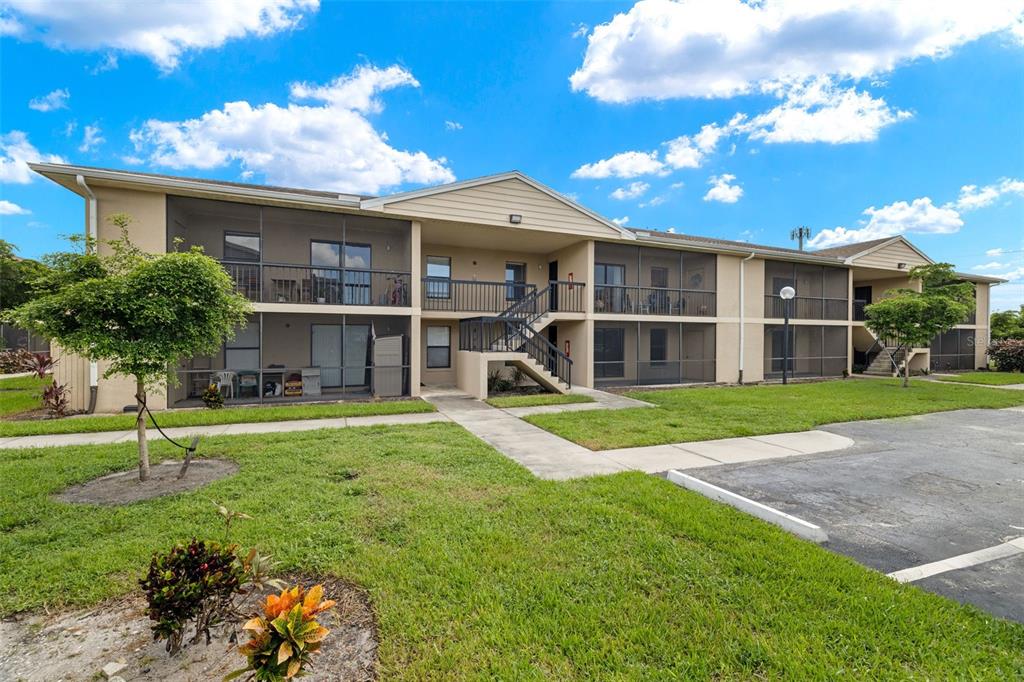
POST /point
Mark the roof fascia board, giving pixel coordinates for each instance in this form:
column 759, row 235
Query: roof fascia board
column 765, row 253
column 379, row 202
column 343, row 201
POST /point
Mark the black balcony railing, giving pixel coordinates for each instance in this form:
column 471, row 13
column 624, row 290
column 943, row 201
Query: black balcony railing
column 502, row 335
column 807, row 308
column 632, row 300
column 283, row 283
column 468, row 296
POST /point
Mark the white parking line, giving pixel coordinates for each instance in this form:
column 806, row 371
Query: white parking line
column 981, row 556
column 794, row 525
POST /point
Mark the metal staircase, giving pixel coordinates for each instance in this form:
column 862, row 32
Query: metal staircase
column 514, row 336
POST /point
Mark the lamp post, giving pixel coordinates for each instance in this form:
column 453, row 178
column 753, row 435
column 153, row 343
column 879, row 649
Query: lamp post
column 786, row 294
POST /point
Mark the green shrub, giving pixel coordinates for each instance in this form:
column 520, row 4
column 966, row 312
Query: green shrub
column 212, row 397
column 1008, row 355
column 195, row 583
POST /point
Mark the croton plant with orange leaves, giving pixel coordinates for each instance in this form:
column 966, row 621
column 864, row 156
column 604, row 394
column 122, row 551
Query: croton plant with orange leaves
column 283, row 639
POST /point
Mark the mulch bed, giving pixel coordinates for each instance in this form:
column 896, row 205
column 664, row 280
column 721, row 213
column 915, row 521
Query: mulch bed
column 77, row 645
column 124, row 487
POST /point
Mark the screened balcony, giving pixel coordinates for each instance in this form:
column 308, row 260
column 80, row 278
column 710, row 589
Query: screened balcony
column 289, row 357
column 640, row 280
column 953, row 350
column 281, row 255
column 651, row 353
column 814, row 351
column 822, row 292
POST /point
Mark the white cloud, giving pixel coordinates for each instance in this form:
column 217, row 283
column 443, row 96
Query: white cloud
column 677, row 185
column 974, row 197
column 452, row 125
column 820, row 111
column 682, row 153
column 994, row 253
column 11, row 208
column 622, row 165
column 16, row 152
column 993, row 265
column 132, row 160
column 621, row 221
column 920, row 216
column 722, row 48
column 57, row 99
column 630, row 191
column 108, row 63
column 163, row 34
column 92, row 137
column 329, row 144
column 581, row 30
column 722, row 191
column 654, row 201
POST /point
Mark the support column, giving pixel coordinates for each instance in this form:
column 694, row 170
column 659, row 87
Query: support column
column 416, row 302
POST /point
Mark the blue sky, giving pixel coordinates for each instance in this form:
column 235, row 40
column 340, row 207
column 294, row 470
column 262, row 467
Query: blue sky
column 713, row 118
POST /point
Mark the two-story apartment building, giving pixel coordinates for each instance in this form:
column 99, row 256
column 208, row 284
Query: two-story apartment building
column 358, row 296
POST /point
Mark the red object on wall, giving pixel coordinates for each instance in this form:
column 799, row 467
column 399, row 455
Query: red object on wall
column 568, row 348
column 570, row 280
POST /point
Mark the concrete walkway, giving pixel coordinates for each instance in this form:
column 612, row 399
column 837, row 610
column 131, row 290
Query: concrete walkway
column 540, row 451
column 553, row 457
column 1012, row 387
column 185, row 432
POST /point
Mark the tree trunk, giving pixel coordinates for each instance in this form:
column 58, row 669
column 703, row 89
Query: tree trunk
column 140, row 427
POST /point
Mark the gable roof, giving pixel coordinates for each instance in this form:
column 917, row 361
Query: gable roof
column 851, row 252
column 693, row 239
column 379, row 202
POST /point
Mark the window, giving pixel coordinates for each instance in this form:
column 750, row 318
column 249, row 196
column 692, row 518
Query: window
column 439, row 277
column 609, row 352
column 609, row 293
column 659, row 278
column 439, row 347
column 357, row 274
column 243, row 246
column 659, row 345
column 515, row 279
column 243, row 351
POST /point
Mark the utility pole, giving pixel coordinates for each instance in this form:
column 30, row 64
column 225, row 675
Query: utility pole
column 800, row 234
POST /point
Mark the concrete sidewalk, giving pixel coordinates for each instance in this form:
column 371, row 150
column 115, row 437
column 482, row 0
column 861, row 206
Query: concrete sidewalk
column 553, row 457
column 185, row 432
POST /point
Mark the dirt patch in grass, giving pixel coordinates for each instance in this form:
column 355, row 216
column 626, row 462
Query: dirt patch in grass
column 124, row 487
column 77, row 645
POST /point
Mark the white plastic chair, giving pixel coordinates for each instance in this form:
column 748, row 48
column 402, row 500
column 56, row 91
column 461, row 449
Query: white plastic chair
column 225, row 382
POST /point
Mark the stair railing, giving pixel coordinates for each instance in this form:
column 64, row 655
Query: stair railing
column 510, row 335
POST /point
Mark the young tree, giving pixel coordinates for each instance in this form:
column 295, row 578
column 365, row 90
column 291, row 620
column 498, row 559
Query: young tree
column 1007, row 324
column 140, row 312
column 16, row 276
column 912, row 319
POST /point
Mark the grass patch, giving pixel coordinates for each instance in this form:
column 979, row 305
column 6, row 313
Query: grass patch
column 689, row 414
column 990, row 378
column 21, row 394
column 204, row 417
column 478, row 569
column 539, row 399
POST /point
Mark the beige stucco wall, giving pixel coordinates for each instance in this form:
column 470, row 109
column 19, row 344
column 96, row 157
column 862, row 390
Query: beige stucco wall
column 436, row 376
column 480, row 265
column 148, row 231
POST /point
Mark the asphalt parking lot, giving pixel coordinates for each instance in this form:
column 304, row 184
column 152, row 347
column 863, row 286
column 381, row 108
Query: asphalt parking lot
column 911, row 491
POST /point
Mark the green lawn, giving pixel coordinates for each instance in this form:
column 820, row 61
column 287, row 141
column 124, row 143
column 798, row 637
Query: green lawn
column 20, row 394
column 203, row 417
column 539, row 399
column 991, row 378
column 479, row 570
column 689, row 414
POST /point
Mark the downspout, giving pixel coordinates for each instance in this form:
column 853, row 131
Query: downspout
column 742, row 325
column 93, row 232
